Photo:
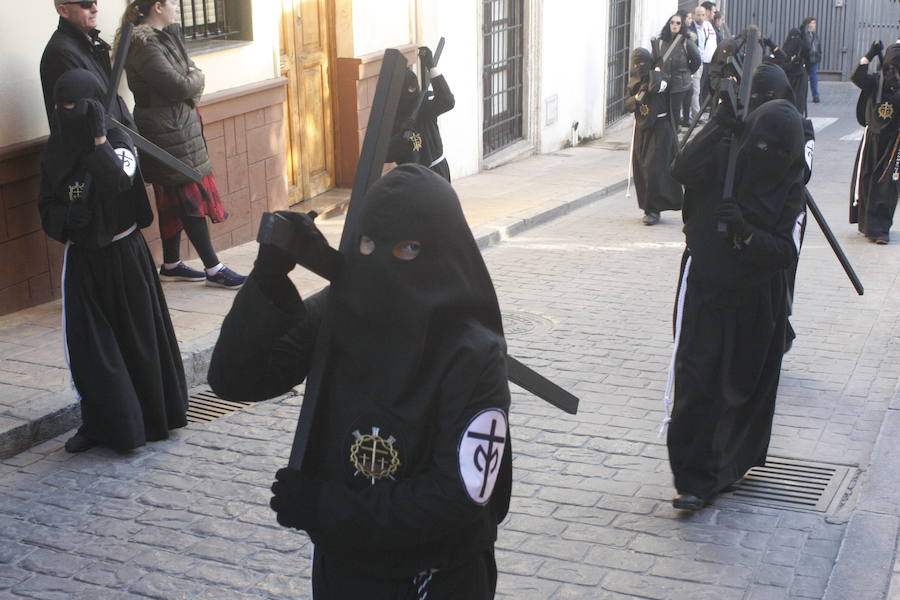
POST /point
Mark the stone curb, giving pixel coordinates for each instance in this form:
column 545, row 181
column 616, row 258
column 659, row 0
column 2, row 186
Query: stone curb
column 53, row 413
column 865, row 560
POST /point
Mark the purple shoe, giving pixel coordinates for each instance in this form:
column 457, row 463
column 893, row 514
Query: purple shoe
column 226, row 278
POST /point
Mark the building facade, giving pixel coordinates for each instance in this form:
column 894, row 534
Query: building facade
column 289, row 84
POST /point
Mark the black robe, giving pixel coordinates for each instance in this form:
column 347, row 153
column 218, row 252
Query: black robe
column 873, row 191
column 415, row 354
column 120, row 344
column 425, row 147
column 796, row 50
column 731, row 314
column 655, row 143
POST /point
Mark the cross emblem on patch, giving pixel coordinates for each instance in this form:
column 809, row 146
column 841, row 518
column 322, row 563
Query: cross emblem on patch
column 886, row 111
column 416, row 140
column 75, row 191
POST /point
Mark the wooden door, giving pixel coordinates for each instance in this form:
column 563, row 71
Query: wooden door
column 306, row 51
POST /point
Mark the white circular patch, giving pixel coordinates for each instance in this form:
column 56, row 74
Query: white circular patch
column 810, row 150
column 129, row 163
column 481, row 448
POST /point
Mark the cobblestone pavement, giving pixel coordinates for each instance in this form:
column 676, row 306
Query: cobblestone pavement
column 588, row 301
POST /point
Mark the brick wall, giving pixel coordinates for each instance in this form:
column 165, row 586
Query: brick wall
column 244, row 130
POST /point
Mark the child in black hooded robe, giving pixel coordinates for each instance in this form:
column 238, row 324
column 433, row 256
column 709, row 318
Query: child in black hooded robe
column 731, row 314
column 119, row 340
column 408, row 468
column 873, row 189
column 419, row 140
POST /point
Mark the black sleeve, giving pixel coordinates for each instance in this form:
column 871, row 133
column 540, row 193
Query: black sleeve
column 775, row 248
column 693, row 165
column 54, row 63
column 264, row 349
column 434, row 503
column 107, row 169
column 399, row 150
column 53, row 210
column 693, row 55
column 862, row 79
column 443, row 100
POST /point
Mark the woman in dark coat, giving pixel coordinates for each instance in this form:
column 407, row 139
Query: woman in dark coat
column 873, row 190
column 679, row 65
column 167, row 86
column 654, row 145
column 119, row 341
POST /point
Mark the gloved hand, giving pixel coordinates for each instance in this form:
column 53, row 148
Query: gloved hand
column 304, row 244
column 426, row 56
column 724, row 116
column 875, row 49
column 94, row 115
column 295, row 499
column 768, row 43
column 729, row 212
column 78, row 216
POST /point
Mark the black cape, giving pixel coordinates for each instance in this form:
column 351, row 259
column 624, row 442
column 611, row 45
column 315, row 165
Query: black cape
column 873, row 191
column 416, row 352
column 733, row 318
column 120, row 344
column 796, row 49
column 655, row 143
column 425, row 147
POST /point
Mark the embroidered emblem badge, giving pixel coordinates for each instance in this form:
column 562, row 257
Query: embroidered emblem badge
column 645, row 110
column 480, row 453
column 416, row 140
column 129, row 163
column 886, row 111
column 75, row 191
column 373, row 456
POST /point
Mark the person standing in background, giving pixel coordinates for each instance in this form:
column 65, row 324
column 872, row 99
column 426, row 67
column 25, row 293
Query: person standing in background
column 815, row 55
column 706, row 42
column 167, row 86
column 680, row 64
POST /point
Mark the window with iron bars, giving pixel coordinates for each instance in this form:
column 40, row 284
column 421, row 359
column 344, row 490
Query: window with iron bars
column 206, row 20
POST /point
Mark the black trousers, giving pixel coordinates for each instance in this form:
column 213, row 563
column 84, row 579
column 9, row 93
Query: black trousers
column 680, row 106
column 475, row 580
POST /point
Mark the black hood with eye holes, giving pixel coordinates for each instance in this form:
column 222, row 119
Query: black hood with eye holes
column 383, row 309
column 639, row 70
column 769, row 83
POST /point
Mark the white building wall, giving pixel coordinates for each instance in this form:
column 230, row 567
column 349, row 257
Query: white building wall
column 22, row 115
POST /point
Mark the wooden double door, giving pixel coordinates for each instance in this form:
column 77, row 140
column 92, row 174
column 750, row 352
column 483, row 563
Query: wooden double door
column 307, row 51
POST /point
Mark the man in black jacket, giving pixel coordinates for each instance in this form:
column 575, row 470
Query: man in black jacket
column 76, row 44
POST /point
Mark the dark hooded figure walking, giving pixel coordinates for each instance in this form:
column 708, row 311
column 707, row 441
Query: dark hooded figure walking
column 418, row 140
column 873, row 188
column 730, row 313
column 119, row 340
column 654, row 144
column 796, row 49
column 408, row 468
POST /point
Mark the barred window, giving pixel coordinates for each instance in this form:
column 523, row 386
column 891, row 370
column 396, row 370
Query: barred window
column 204, row 20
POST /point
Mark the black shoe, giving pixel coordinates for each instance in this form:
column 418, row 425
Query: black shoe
column 79, row 443
column 650, row 218
column 226, row 278
column 688, row 502
column 815, row 100
column 881, row 238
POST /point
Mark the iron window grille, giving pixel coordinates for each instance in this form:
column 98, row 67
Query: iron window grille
column 204, row 20
column 502, row 75
column 619, row 51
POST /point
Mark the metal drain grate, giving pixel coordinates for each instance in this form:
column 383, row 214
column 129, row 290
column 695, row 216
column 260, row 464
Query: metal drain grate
column 785, row 482
column 204, row 405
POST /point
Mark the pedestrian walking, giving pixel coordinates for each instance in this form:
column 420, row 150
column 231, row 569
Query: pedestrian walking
column 417, row 138
column 167, row 86
column 796, row 49
column 655, row 143
column 811, row 38
column 730, row 310
column 679, row 64
column 874, row 186
column 119, row 342
column 408, row 468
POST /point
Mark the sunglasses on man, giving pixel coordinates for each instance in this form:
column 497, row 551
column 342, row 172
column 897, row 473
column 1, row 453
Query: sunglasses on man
column 85, row 4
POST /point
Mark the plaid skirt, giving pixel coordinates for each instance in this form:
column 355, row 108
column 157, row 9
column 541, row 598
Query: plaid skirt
column 189, row 200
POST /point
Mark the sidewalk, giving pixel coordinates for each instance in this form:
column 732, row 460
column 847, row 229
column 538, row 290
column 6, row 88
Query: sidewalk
column 37, row 402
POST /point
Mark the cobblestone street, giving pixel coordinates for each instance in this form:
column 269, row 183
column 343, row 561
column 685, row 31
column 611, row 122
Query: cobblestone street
column 588, row 301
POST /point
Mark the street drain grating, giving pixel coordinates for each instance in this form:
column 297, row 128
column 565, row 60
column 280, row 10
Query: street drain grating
column 520, row 323
column 204, row 405
column 788, row 483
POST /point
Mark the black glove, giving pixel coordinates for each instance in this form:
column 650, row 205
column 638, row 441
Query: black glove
column 78, row 216
column 94, row 115
column 729, row 213
column 301, row 243
column 295, row 499
column 768, row 43
column 875, row 49
column 426, row 56
column 724, row 116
